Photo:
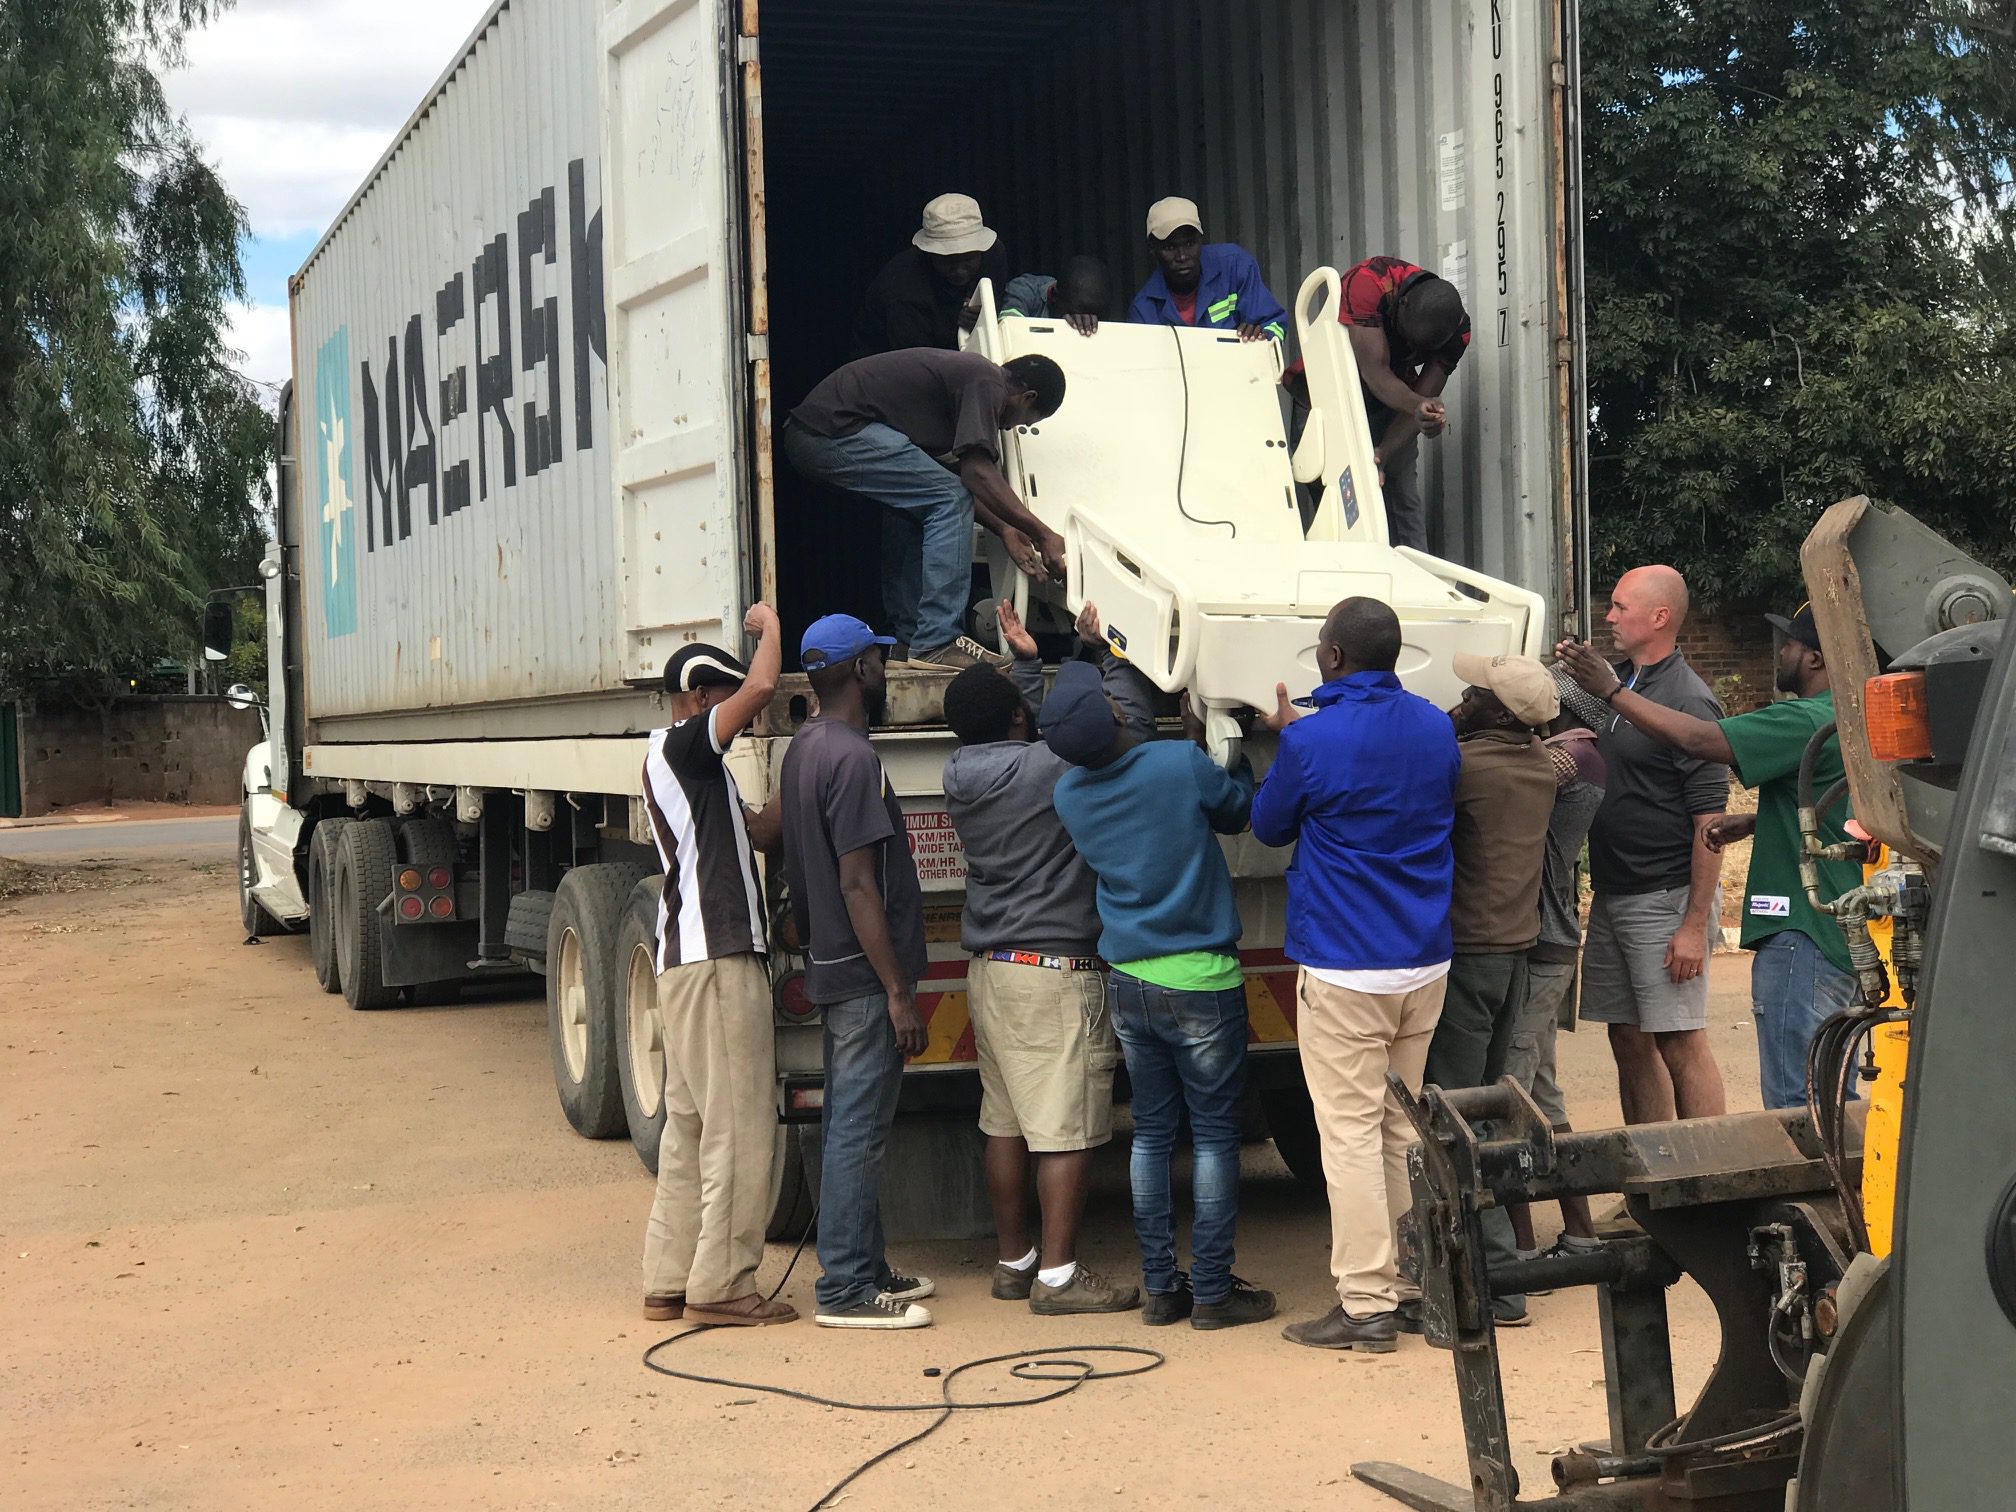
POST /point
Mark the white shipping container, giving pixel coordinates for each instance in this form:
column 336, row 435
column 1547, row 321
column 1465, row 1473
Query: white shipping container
column 517, row 490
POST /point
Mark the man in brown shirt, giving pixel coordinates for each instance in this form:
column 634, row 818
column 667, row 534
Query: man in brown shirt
column 1504, row 798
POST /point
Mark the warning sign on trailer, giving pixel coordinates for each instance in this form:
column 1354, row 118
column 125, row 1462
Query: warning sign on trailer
column 934, row 846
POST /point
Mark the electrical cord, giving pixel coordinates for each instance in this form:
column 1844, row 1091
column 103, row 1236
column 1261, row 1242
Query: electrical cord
column 1065, row 1373
column 1183, row 449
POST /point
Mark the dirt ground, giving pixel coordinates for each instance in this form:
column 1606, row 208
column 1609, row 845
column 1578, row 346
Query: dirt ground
column 258, row 1250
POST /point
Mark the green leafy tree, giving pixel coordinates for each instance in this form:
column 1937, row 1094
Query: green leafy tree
column 1800, row 276
column 133, row 460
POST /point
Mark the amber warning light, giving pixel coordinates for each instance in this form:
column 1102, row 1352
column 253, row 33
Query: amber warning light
column 1894, row 713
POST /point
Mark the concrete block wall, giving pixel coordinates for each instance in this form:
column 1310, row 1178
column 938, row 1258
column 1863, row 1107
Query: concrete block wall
column 161, row 749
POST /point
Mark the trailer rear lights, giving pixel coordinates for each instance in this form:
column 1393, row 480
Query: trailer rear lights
column 807, row 1099
column 793, row 1006
column 1897, row 717
column 409, row 880
column 411, row 907
column 442, row 907
column 439, row 876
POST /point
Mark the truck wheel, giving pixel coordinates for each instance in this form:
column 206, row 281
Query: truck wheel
column 793, row 1180
column 1291, row 1119
column 321, row 899
column 365, row 858
column 584, row 993
column 255, row 919
column 640, row 1048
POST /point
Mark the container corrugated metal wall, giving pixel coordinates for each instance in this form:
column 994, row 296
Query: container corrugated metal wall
column 1310, row 132
column 452, row 432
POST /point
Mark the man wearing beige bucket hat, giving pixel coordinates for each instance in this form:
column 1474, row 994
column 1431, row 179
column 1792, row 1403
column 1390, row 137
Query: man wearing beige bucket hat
column 919, row 298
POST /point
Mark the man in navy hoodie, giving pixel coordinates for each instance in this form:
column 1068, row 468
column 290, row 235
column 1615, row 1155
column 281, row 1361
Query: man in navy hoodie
column 1365, row 788
column 1146, row 816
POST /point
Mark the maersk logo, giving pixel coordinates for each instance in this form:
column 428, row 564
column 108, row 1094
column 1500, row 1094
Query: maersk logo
column 332, row 451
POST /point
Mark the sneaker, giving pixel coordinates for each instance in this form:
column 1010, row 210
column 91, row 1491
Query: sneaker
column 1504, row 1312
column 1086, row 1292
column 1162, row 1308
column 956, row 657
column 1010, row 1284
column 1337, row 1329
column 1245, row 1303
column 1561, row 1249
column 878, row 1311
column 664, row 1307
column 751, row 1311
column 908, row 1288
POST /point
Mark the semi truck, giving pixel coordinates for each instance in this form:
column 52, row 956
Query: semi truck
column 528, row 450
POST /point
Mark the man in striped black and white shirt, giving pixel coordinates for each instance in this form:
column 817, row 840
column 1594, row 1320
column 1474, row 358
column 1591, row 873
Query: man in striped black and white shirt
column 705, row 1236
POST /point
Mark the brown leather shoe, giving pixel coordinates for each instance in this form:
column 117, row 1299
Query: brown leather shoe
column 752, row 1311
column 664, row 1307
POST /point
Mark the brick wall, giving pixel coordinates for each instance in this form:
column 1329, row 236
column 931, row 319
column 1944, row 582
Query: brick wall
column 1730, row 648
column 158, row 749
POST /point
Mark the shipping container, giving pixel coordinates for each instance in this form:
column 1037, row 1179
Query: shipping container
column 543, row 353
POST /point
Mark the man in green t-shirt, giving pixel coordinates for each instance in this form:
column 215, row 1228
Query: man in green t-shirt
column 1800, row 976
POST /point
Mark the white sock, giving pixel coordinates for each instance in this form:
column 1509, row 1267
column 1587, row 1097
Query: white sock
column 1027, row 1262
column 1579, row 1243
column 1057, row 1275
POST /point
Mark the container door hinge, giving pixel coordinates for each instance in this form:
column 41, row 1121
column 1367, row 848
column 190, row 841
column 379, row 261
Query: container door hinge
column 759, row 347
column 746, row 50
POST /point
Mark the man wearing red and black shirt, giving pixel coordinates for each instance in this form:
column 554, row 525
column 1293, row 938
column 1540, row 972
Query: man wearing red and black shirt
column 1408, row 332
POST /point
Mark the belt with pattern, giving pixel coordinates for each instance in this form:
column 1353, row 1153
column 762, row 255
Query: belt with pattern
column 1037, row 958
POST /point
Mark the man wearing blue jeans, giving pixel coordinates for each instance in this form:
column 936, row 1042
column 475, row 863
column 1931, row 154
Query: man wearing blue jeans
column 860, row 915
column 1800, row 976
column 1145, row 816
column 918, row 431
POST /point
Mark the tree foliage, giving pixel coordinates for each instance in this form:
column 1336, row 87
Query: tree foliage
column 1800, row 276
column 133, row 460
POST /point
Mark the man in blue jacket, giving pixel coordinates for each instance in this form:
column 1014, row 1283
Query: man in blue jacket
column 1365, row 788
column 1199, row 283
column 1146, row 816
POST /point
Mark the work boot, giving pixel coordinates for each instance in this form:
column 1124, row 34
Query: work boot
column 1337, row 1329
column 1011, row 1284
column 956, row 656
column 753, row 1311
column 908, row 1288
column 1163, row 1308
column 664, row 1307
column 1086, row 1292
column 1245, row 1303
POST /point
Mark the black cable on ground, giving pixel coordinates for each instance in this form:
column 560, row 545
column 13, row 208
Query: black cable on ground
column 1057, row 1367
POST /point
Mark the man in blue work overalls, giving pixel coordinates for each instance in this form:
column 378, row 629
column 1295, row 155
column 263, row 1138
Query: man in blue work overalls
column 1200, row 283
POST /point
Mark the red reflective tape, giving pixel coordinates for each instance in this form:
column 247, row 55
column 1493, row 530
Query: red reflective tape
column 939, row 971
column 963, row 1049
column 1258, row 959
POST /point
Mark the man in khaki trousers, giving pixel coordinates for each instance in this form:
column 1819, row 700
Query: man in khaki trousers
column 1365, row 789
column 704, row 1239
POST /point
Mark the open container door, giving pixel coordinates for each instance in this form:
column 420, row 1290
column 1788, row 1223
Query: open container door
column 676, row 375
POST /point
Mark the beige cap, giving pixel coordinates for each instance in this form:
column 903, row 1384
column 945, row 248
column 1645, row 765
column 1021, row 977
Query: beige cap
column 952, row 225
column 1168, row 216
column 1521, row 683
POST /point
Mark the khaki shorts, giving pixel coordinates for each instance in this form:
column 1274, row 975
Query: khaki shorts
column 1047, row 1054
column 1624, row 977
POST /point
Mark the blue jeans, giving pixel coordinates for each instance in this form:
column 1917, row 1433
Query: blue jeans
column 1794, row 989
column 864, row 1072
column 1185, row 1051
column 927, row 550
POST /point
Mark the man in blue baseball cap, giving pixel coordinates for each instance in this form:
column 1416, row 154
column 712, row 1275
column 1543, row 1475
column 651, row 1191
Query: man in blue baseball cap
column 1145, row 815
column 860, row 917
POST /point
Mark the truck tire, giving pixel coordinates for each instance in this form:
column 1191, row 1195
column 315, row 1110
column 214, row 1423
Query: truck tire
column 321, row 901
column 365, row 858
column 791, row 1182
column 584, row 993
column 1291, row 1120
column 427, row 842
column 640, row 1045
column 256, row 920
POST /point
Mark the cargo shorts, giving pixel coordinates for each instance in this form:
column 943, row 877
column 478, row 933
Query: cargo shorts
column 1624, row 977
column 1047, row 1053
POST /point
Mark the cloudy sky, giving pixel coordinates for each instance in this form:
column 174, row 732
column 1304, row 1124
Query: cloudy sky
column 294, row 100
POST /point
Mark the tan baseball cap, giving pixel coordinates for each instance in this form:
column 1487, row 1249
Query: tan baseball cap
column 1168, row 216
column 952, row 225
column 1521, row 683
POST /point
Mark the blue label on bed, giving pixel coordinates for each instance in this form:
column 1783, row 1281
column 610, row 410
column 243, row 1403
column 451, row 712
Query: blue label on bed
column 1347, row 496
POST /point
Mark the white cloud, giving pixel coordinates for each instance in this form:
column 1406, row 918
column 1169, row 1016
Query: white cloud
column 296, row 99
column 260, row 334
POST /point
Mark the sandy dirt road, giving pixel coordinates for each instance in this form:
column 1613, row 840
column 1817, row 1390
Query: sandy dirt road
column 257, row 1250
